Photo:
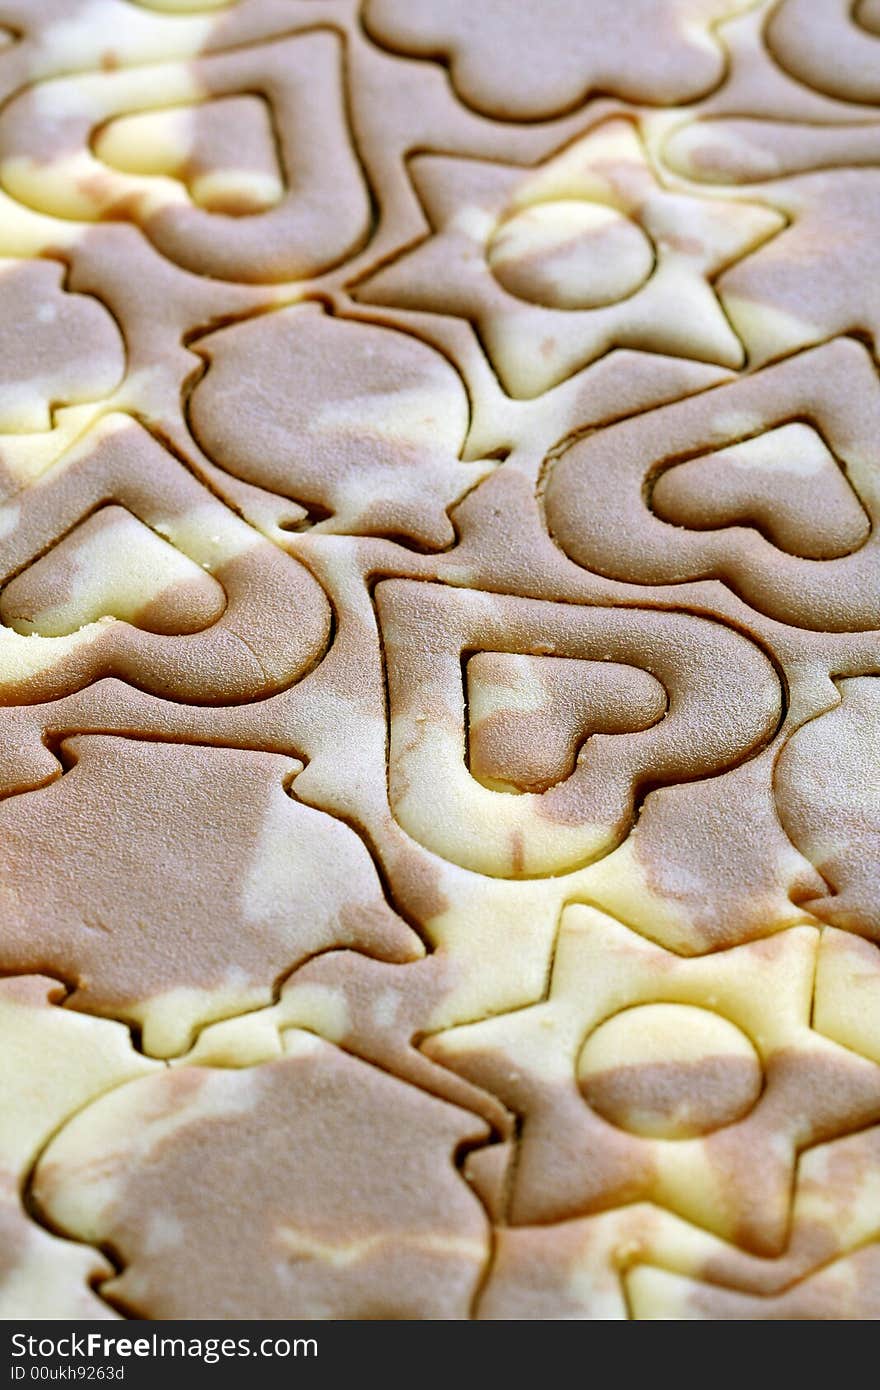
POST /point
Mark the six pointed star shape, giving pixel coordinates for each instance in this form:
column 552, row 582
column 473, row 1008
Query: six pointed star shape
column 558, row 264
column 735, row 1180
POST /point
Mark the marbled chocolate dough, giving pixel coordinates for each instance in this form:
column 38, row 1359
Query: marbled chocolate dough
column 439, row 656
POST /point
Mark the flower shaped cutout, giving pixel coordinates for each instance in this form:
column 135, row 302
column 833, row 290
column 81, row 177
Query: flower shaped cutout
column 520, row 62
column 556, row 265
column 693, row 1083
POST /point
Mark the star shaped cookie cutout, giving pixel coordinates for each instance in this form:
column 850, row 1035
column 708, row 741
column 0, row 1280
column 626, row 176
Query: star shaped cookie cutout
column 556, row 265
column 690, row 1082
